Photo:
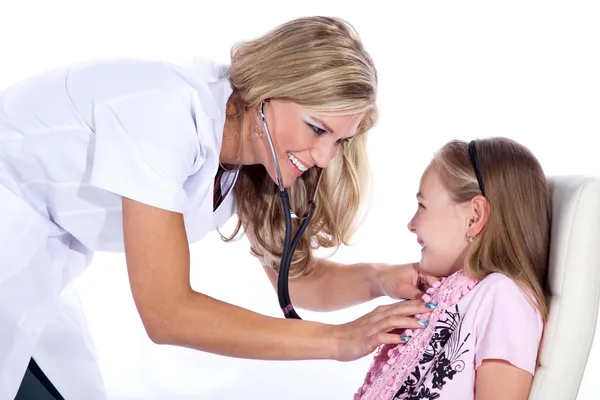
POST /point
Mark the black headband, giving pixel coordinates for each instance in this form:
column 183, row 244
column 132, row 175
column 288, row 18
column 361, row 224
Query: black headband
column 473, row 157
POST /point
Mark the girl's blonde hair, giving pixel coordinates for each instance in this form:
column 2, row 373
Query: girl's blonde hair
column 320, row 64
column 516, row 238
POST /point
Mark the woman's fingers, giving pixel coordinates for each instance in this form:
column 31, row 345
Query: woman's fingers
column 403, row 308
column 408, row 314
column 412, row 307
column 386, row 324
column 429, row 279
column 388, row 338
column 398, row 323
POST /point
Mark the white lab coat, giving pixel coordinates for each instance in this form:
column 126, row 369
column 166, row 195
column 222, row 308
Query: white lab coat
column 72, row 142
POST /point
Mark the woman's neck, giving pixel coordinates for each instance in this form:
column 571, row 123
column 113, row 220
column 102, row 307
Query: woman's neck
column 236, row 147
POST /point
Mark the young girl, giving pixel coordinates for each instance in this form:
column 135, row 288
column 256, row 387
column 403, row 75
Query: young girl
column 483, row 222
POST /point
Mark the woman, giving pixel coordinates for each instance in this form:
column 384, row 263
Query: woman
column 145, row 157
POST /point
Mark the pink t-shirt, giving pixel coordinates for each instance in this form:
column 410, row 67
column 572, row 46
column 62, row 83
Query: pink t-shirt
column 493, row 320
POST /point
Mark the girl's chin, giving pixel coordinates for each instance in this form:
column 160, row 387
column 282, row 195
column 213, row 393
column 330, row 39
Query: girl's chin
column 433, row 269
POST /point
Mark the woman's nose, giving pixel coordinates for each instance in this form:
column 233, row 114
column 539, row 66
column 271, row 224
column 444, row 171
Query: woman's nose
column 323, row 153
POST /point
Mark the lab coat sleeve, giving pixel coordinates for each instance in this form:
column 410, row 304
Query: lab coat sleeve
column 146, row 145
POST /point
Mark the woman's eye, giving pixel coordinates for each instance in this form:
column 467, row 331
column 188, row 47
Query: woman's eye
column 317, row 130
column 342, row 140
column 421, row 206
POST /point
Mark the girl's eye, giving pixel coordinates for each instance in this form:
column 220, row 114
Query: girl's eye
column 421, row 206
column 342, row 140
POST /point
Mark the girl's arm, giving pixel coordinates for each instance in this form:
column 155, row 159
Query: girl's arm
column 500, row 380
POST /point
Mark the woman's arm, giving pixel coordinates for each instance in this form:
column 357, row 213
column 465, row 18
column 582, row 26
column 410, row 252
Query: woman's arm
column 331, row 286
column 173, row 313
column 500, row 380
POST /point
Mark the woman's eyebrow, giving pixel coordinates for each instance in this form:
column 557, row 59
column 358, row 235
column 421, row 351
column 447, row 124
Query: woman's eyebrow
column 323, row 124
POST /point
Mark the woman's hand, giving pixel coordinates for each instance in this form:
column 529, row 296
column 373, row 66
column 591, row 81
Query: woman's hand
column 384, row 325
column 404, row 281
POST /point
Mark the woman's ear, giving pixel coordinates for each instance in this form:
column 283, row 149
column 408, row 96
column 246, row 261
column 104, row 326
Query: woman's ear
column 480, row 212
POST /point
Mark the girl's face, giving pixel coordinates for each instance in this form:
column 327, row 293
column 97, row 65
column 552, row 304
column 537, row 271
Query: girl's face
column 441, row 227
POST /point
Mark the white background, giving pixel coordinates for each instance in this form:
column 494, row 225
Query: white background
column 527, row 70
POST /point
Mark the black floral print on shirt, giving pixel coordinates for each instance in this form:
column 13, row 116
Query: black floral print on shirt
column 445, row 347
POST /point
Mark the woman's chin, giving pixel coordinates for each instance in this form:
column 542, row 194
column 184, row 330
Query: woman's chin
column 288, row 180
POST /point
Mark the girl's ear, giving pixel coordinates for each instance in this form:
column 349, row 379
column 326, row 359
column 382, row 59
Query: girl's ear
column 479, row 214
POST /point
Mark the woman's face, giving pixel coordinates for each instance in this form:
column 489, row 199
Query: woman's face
column 301, row 139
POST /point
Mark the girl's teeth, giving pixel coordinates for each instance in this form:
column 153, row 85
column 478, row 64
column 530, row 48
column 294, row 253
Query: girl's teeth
column 297, row 163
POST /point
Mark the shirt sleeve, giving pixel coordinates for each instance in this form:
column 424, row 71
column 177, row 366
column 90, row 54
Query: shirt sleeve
column 145, row 146
column 508, row 326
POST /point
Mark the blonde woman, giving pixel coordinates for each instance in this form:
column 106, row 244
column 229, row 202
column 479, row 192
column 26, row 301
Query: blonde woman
column 145, row 157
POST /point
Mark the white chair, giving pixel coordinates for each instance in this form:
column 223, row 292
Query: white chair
column 574, row 282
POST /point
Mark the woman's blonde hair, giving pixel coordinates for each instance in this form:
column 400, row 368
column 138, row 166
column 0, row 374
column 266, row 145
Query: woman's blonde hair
column 320, row 64
column 516, row 238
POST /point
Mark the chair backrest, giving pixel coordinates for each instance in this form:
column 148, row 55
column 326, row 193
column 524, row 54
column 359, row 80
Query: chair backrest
column 574, row 282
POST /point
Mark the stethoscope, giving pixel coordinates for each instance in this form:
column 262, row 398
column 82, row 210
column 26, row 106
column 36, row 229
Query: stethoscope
column 289, row 244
